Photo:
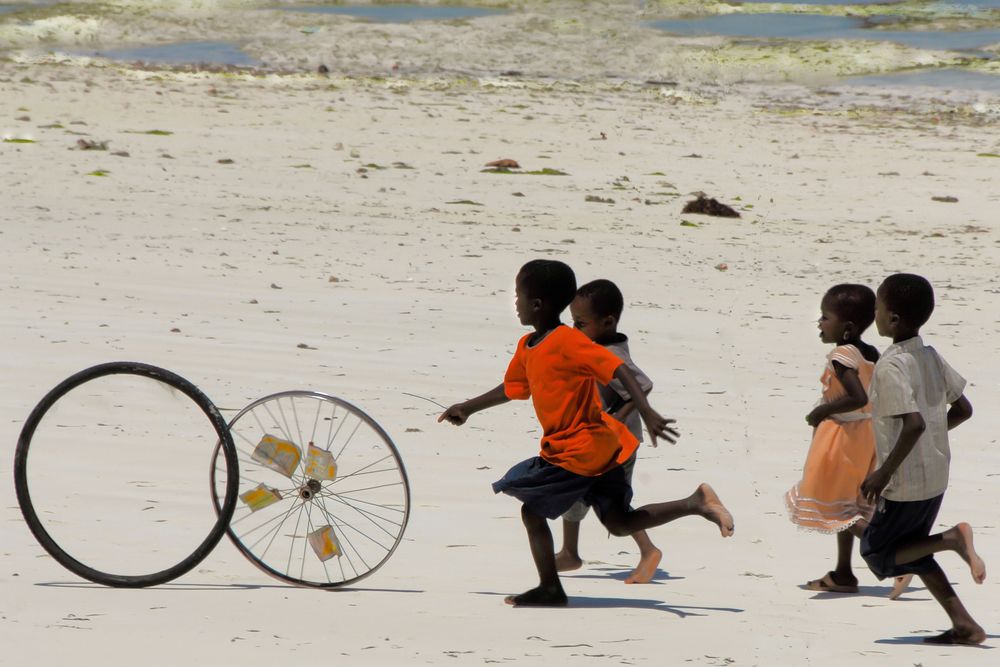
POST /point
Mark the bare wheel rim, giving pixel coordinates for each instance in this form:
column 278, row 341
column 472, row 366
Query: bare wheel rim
column 323, row 496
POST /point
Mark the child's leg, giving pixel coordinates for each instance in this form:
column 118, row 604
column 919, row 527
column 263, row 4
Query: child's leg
column 844, row 574
column 549, row 592
column 957, row 538
column 703, row 502
column 964, row 630
column 568, row 557
column 649, row 559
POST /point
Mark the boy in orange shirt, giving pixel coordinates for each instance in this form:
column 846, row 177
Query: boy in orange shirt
column 582, row 448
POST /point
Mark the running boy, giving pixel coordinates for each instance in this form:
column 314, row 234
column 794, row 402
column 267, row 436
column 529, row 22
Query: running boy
column 596, row 311
column 582, row 449
column 916, row 399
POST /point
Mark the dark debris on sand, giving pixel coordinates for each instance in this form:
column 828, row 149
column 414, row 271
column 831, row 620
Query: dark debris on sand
column 709, row 206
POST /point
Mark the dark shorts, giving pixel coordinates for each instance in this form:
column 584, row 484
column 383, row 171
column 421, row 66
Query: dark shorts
column 548, row 490
column 578, row 512
column 893, row 525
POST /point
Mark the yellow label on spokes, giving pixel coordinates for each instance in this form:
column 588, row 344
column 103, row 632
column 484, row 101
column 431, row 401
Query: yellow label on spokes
column 277, row 454
column 320, row 464
column 324, row 543
column 260, row 497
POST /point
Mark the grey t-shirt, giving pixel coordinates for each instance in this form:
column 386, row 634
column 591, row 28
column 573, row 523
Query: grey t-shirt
column 614, row 395
column 912, row 377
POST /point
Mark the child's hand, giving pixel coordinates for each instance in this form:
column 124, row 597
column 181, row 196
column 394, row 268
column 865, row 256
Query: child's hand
column 659, row 426
column 455, row 415
column 817, row 415
column 873, row 485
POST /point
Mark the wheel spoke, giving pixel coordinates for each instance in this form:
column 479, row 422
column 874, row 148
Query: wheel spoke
column 369, row 515
column 333, row 522
column 334, row 496
column 359, row 470
column 351, row 437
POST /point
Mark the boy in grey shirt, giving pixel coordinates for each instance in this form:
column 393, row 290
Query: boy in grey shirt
column 916, row 399
column 596, row 310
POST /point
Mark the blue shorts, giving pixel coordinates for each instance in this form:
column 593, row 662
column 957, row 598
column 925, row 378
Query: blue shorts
column 548, row 490
column 894, row 524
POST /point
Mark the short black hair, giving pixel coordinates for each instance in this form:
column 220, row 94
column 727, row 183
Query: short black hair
column 852, row 303
column 910, row 296
column 549, row 280
column 604, row 296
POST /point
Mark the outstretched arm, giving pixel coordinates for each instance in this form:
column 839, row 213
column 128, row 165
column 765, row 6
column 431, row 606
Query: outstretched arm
column 878, row 479
column 460, row 412
column 657, row 425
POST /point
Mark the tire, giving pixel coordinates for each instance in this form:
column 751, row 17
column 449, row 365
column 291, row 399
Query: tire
column 224, row 507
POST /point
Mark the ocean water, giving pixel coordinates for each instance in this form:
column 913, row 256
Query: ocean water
column 834, row 2
column 972, row 4
column 400, row 13
column 181, row 53
column 10, row 9
column 824, row 28
column 942, row 79
column 77, row 34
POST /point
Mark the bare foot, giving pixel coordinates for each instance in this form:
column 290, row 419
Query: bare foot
column 967, row 636
column 542, row 596
column 900, row 585
column 566, row 561
column 963, row 533
column 713, row 509
column 646, row 569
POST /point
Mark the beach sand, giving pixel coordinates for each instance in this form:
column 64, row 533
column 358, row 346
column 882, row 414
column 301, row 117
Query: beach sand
column 354, row 218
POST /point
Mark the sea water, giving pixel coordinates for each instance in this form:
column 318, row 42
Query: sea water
column 181, row 53
column 79, row 34
column 400, row 13
column 826, row 28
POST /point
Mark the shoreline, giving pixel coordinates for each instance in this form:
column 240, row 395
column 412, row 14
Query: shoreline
column 561, row 41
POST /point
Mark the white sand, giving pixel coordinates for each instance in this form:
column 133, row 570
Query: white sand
column 102, row 268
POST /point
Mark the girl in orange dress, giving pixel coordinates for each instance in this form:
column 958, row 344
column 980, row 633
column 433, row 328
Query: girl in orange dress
column 828, row 498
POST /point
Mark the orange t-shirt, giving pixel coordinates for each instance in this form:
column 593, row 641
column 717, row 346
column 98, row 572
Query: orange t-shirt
column 560, row 375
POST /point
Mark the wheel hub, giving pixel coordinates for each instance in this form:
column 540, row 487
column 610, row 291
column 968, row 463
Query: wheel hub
column 309, row 489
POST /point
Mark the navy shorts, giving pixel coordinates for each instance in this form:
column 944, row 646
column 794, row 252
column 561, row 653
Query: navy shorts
column 893, row 525
column 578, row 512
column 548, row 490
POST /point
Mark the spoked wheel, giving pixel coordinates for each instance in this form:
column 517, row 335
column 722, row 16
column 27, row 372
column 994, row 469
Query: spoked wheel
column 107, row 475
column 323, row 498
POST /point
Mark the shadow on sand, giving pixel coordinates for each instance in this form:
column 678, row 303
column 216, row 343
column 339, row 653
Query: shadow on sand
column 615, row 573
column 868, row 591
column 682, row 611
column 918, row 640
column 224, row 587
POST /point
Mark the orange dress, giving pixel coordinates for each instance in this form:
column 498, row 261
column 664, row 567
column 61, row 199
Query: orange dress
column 828, row 498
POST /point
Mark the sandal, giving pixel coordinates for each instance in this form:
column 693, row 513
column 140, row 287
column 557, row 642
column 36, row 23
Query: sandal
column 826, row 584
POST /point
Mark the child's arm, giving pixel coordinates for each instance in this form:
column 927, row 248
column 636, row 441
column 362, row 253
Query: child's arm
column 623, row 408
column 960, row 411
column 460, row 412
column 655, row 424
column 878, row 479
column 854, row 398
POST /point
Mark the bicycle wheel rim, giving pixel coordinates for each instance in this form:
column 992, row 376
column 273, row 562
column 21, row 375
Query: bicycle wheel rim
column 393, row 452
